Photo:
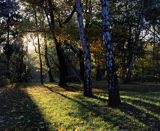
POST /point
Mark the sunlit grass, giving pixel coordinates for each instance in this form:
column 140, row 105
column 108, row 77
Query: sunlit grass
column 72, row 111
column 68, row 109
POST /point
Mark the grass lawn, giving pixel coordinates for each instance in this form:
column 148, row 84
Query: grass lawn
column 49, row 107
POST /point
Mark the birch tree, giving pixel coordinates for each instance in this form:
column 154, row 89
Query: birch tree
column 114, row 97
column 87, row 58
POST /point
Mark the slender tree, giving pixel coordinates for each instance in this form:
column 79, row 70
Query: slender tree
column 51, row 79
column 80, row 56
column 136, row 42
column 39, row 48
column 87, row 61
column 49, row 11
column 114, row 97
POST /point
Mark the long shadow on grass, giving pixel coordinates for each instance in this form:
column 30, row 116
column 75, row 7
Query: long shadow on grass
column 85, row 105
column 19, row 112
column 144, row 116
column 146, row 113
column 145, row 96
column 72, row 88
column 108, row 115
column 149, row 106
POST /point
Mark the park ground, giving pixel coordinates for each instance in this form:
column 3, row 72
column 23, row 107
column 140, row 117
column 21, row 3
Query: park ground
column 35, row 107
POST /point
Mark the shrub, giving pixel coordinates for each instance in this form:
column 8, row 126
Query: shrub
column 4, row 81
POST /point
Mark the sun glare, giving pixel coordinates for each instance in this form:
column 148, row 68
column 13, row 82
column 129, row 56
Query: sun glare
column 29, row 42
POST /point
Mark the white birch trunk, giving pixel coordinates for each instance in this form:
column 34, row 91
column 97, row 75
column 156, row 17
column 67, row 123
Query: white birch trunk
column 114, row 98
column 87, row 63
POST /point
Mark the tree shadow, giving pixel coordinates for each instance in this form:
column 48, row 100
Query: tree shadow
column 152, row 99
column 72, row 88
column 85, row 106
column 109, row 115
column 149, row 106
column 145, row 112
column 146, row 96
column 145, row 117
column 19, row 112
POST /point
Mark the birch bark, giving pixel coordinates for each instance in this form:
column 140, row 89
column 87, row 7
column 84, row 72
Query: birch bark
column 114, row 97
column 87, row 57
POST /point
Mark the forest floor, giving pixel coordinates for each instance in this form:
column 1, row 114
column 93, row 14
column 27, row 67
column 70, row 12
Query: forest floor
column 50, row 107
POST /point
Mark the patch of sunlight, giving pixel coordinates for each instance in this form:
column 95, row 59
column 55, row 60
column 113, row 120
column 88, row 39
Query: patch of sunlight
column 71, row 110
column 151, row 97
column 102, row 96
column 49, row 105
column 61, row 111
column 141, row 100
column 55, row 86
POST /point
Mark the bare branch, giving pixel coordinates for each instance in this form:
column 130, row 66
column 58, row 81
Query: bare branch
column 70, row 16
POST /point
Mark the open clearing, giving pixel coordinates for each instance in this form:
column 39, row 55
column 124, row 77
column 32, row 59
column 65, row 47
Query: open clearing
column 50, row 107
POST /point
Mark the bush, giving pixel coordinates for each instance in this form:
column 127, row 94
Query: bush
column 4, row 81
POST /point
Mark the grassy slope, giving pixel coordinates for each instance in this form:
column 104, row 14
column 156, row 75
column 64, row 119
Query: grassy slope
column 51, row 107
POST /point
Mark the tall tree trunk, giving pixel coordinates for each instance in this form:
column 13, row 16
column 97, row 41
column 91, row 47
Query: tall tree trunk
column 80, row 56
column 136, row 42
column 51, row 79
column 21, row 67
column 40, row 59
column 87, row 61
column 8, row 39
column 62, row 64
column 131, row 58
column 39, row 48
column 114, row 97
column 98, row 73
column 81, row 64
column 8, row 45
column 154, row 54
column 123, row 63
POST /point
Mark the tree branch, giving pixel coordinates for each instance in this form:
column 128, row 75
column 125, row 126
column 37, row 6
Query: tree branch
column 70, row 16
